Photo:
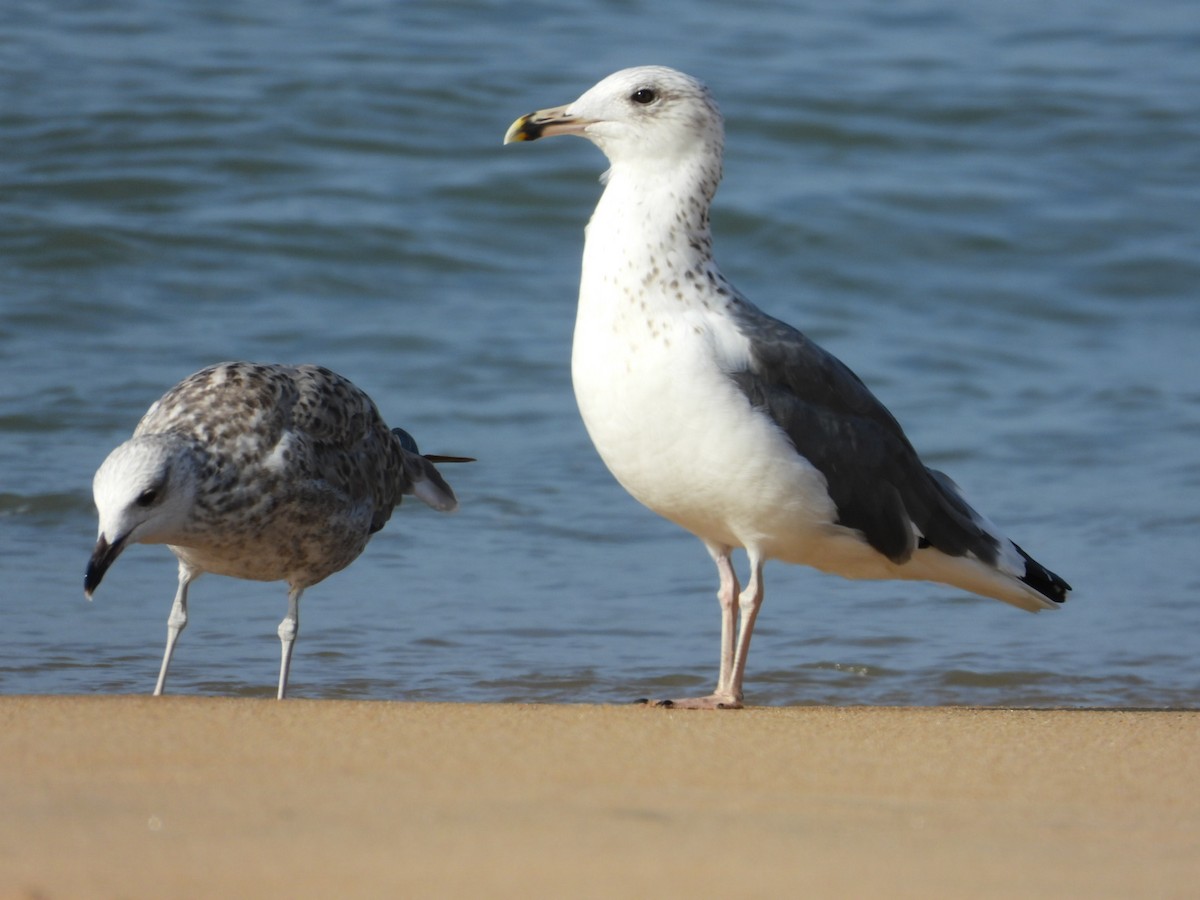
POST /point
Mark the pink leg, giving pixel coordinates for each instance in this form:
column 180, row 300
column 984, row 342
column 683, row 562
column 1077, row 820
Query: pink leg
column 728, row 694
column 749, row 604
column 726, row 596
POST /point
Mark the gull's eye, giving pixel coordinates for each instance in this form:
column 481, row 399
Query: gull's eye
column 147, row 497
column 643, row 96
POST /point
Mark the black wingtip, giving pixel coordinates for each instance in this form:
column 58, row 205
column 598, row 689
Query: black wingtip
column 1042, row 580
column 409, row 443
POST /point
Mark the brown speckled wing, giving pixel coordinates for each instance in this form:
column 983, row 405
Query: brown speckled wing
column 234, row 409
column 351, row 447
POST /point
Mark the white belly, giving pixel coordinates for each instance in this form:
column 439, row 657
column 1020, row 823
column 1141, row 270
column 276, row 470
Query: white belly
column 680, row 436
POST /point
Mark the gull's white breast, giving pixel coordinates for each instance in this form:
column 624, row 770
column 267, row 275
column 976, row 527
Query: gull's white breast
column 653, row 388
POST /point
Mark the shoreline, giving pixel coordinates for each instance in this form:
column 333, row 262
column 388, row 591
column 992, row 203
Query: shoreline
column 200, row 796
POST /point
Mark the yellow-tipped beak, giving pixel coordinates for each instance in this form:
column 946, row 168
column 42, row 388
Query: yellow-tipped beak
column 545, row 123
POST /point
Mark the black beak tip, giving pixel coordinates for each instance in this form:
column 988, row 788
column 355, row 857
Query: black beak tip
column 103, row 557
column 91, row 579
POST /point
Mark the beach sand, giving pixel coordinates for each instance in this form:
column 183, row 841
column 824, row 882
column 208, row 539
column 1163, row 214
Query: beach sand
column 207, row 797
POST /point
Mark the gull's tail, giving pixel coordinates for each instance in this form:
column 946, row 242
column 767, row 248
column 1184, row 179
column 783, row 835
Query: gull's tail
column 1008, row 573
column 427, row 483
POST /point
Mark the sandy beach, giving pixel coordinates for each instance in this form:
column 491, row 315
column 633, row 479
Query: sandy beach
column 202, row 797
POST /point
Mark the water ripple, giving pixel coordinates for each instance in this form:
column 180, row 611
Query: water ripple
column 988, row 213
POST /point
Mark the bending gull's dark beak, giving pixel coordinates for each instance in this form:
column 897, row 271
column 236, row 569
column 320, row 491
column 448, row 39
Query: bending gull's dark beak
column 545, row 123
column 103, row 556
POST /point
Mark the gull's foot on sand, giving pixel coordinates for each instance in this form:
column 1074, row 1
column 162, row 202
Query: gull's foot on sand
column 712, row 701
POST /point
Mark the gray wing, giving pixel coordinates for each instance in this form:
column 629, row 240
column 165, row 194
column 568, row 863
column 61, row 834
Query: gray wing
column 875, row 478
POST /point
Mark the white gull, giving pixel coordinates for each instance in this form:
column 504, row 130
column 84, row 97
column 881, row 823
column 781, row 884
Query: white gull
column 265, row 472
column 726, row 421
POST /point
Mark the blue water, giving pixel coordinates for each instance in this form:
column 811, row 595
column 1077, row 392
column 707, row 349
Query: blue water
column 988, row 210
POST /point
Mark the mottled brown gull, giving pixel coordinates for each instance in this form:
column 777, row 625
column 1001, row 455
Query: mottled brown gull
column 264, row 472
column 725, row 420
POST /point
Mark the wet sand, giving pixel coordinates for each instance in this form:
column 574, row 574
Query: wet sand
column 203, row 797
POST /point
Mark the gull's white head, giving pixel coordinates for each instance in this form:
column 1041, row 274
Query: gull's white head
column 145, row 492
column 650, row 114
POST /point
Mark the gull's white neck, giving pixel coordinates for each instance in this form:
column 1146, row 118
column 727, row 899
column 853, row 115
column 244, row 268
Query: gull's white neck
column 650, row 226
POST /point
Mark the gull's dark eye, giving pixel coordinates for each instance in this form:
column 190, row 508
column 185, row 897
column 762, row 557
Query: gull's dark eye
column 643, row 96
column 147, row 497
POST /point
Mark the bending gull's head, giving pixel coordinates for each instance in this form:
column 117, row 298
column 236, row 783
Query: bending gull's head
column 145, row 493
